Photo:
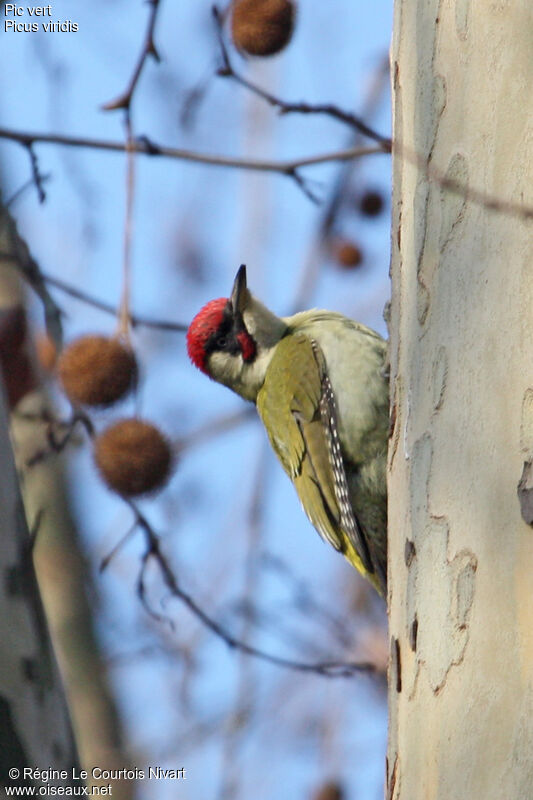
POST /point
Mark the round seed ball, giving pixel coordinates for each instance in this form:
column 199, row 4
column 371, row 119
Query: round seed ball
column 262, row 27
column 329, row 791
column 97, row 370
column 371, row 203
column 133, row 457
column 347, row 254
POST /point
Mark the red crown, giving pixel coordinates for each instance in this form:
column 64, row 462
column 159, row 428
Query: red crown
column 205, row 323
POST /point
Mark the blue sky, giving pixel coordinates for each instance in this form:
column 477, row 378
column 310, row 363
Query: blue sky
column 193, row 225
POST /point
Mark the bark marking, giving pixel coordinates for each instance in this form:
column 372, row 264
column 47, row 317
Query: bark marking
column 525, row 484
column 413, row 634
column 525, row 492
column 443, row 602
column 395, row 664
column 392, row 780
column 462, row 11
column 452, row 206
column 440, row 375
column 395, row 421
column 438, row 91
column 526, row 423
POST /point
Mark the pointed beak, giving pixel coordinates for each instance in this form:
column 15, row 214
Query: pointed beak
column 239, row 292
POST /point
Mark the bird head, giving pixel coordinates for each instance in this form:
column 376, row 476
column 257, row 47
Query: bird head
column 232, row 339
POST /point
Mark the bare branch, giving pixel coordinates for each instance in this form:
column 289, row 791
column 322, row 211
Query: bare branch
column 84, row 297
column 25, row 186
column 145, row 146
column 227, row 70
column 221, row 424
column 333, row 204
column 108, row 308
column 304, row 185
column 116, row 547
column 124, row 308
column 490, row 202
column 330, row 669
column 21, row 258
column 37, row 178
column 59, row 434
column 124, row 100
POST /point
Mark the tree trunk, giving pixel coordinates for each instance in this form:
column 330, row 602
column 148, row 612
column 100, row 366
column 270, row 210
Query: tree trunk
column 34, row 725
column 461, row 556
column 56, row 556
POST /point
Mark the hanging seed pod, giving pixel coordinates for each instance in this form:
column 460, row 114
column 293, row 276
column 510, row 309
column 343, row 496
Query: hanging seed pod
column 97, row 370
column 346, row 253
column 329, row 791
column 371, row 203
column 262, row 27
column 133, row 457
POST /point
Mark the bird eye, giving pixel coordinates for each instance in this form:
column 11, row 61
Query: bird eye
column 222, row 342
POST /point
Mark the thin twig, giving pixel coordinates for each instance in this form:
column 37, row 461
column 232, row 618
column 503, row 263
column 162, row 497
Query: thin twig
column 37, row 178
column 108, row 308
column 227, row 70
column 145, row 146
column 25, row 186
column 124, row 310
column 19, row 255
column 303, row 600
column 104, row 563
column 434, row 175
column 246, row 691
column 56, row 444
column 221, row 424
column 330, row 669
column 377, row 86
column 213, row 428
column 315, row 259
column 124, row 100
column 304, row 185
column 84, row 297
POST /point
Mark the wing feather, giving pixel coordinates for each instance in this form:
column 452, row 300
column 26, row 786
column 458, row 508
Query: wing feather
column 297, row 406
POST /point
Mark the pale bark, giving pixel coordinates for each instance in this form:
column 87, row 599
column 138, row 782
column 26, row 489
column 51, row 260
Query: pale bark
column 62, row 581
column 58, row 562
column 34, row 725
column 461, row 556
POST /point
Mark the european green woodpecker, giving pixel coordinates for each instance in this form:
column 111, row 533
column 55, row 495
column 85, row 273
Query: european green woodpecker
column 319, row 383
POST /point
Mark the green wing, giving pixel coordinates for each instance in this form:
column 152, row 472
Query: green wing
column 297, row 407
